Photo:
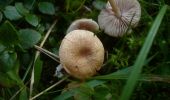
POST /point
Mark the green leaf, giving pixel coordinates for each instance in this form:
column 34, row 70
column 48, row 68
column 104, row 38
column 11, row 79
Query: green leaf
column 32, row 19
column 38, row 70
column 2, row 48
column 28, row 38
column 21, row 9
column 70, row 93
column 23, row 94
column 7, row 61
column 77, row 93
column 94, row 83
column 66, row 95
column 46, row 8
column 41, row 28
column 140, row 61
column 101, row 93
column 81, row 95
column 8, row 34
column 5, row 81
column 84, row 93
column 14, row 76
column 11, row 13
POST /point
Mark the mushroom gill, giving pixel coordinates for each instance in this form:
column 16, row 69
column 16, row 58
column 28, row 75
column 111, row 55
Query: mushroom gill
column 117, row 25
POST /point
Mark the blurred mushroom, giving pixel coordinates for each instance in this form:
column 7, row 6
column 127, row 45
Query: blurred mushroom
column 118, row 16
column 84, row 24
column 81, row 54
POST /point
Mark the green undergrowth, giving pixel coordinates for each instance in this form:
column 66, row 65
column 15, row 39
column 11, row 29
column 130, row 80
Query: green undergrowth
column 136, row 66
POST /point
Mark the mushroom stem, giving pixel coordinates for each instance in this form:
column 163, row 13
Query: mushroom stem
column 115, row 9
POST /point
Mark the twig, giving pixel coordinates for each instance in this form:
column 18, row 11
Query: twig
column 48, row 53
column 45, row 38
column 49, row 88
column 37, row 54
column 27, row 71
column 18, row 91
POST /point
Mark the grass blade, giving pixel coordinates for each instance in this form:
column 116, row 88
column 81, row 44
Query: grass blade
column 38, row 70
column 137, row 68
column 143, row 77
column 37, row 54
column 52, row 86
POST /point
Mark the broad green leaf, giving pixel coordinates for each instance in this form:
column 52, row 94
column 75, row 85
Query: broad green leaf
column 84, row 93
column 140, row 61
column 32, row 19
column 16, row 67
column 28, row 38
column 124, row 74
column 25, row 59
column 67, row 94
column 46, row 8
column 23, row 94
column 70, row 93
column 14, row 76
column 8, row 34
column 5, row 81
column 11, row 13
column 41, row 28
column 81, row 95
column 1, row 16
column 21, row 9
column 101, row 93
column 94, row 83
column 7, row 61
column 11, row 78
column 77, row 93
column 38, row 70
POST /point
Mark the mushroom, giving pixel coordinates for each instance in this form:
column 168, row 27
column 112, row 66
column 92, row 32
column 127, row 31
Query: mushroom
column 118, row 16
column 84, row 24
column 81, row 54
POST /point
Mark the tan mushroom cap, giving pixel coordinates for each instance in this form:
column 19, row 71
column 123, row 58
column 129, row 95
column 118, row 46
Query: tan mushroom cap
column 130, row 12
column 83, row 24
column 81, row 54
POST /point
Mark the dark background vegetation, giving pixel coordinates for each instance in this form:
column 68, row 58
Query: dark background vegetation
column 24, row 23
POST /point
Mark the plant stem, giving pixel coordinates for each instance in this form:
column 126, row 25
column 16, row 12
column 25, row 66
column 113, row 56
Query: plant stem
column 49, row 88
column 37, row 54
column 48, row 53
column 115, row 9
column 21, row 88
